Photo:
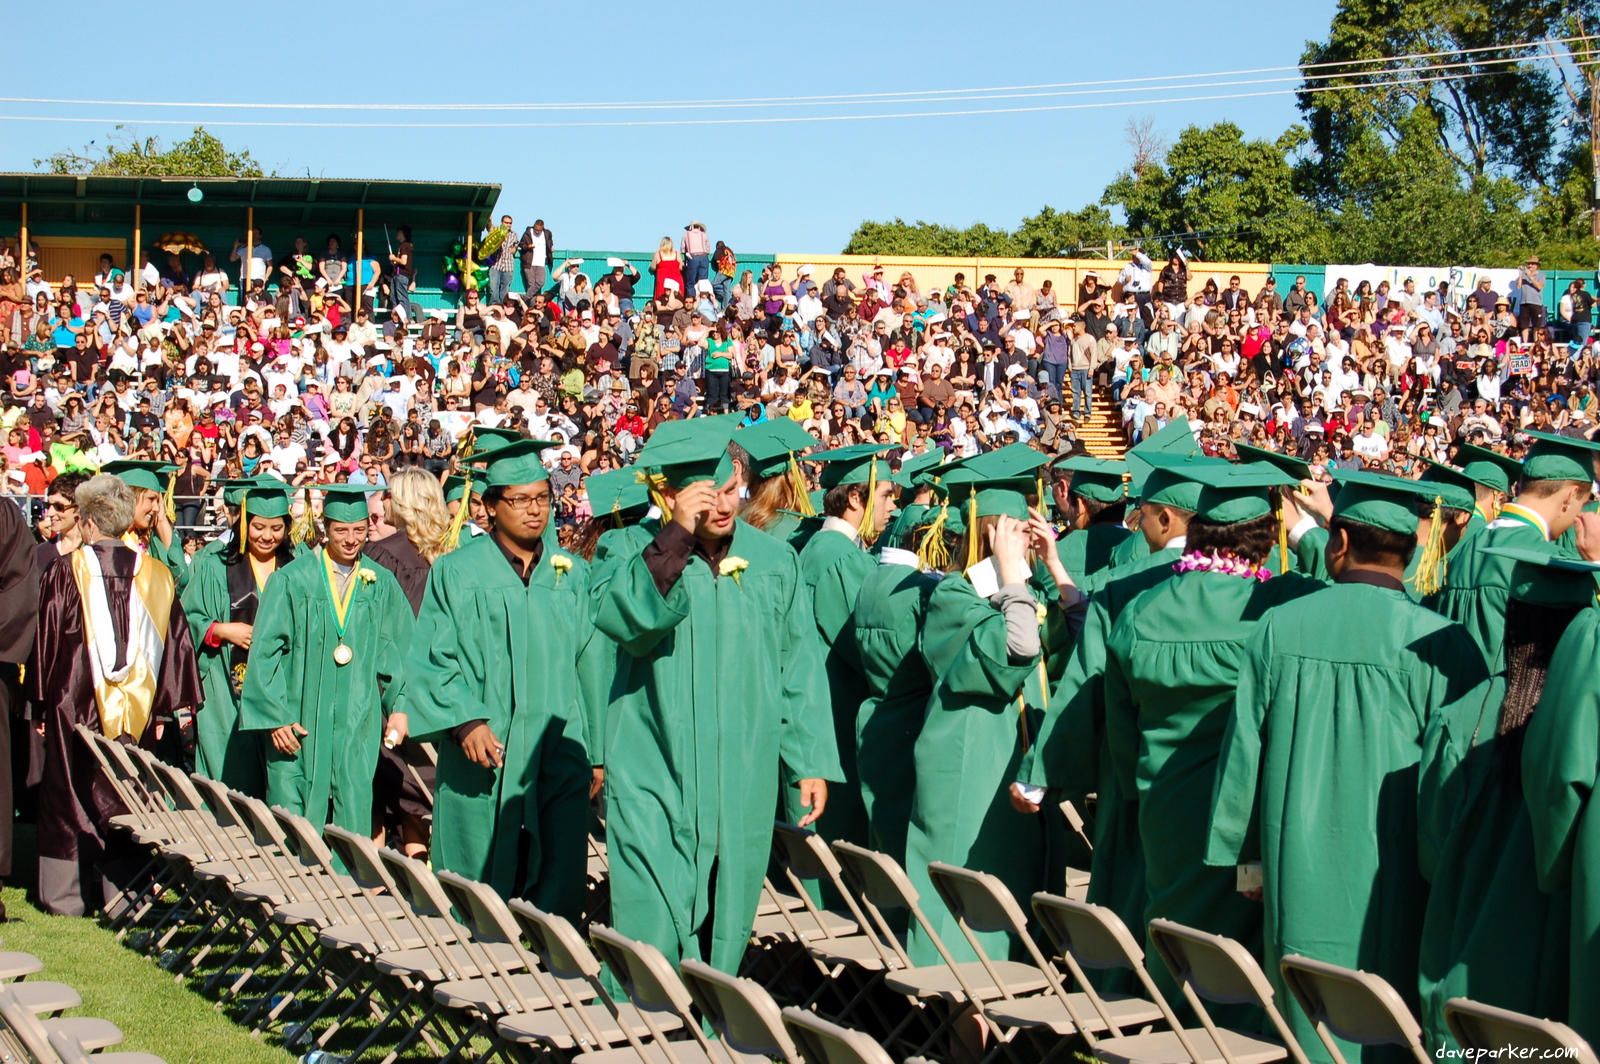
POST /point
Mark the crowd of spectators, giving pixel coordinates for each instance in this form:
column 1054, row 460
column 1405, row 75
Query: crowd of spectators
column 303, row 377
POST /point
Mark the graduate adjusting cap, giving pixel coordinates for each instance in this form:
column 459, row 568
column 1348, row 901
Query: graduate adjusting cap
column 137, row 473
column 860, row 464
column 1298, row 468
column 772, row 444
column 1096, row 479
column 1455, row 488
column 918, row 464
column 1489, row 468
column 1555, row 457
column 1380, row 500
column 1549, row 579
column 486, row 441
column 617, row 491
column 1176, row 438
column 684, row 452
column 1227, row 493
column 517, row 463
column 1169, row 481
column 345, row 502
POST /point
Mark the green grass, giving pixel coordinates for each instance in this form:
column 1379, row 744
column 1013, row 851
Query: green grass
column 121, row 985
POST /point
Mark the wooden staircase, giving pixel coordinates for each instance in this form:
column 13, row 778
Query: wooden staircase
column 1102, row 432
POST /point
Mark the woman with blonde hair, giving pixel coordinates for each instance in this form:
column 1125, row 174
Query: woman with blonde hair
column 667, row 266
column 416, row 508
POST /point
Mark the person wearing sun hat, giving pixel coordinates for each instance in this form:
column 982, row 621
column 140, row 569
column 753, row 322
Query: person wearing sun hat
column 152, row 532
column 1171, row 672
column 720, row 675
column 1556, row 484
column 1091, row 497
column 326, row 672
column 859, row 490
column 983, row 643
column 221, row 599
column 499, row 679
column 1335, row 693
column 779, row 502
column 1497, row 926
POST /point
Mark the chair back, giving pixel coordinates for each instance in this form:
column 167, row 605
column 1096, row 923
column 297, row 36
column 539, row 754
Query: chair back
column 556, row 941
column 427, row 900
column 359, row 855
column 642, row 970
column 1092, row 935
column 28, row 1028
column 876, row 876
column 804, row 852
column 978, row 900
column 1485, row 1028
column 1356, row 1006
column 822, row 1042
column 741, row 1012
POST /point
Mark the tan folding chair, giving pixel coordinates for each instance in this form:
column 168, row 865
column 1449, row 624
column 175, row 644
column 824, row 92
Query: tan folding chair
column 656, row 993
column 64, row 1049
column 742, row 1013
column 88, row 1033
column 1215, row 969
column 1486, row 1029
column 981, row 903
column 822, row 1042
column 1356, row 1006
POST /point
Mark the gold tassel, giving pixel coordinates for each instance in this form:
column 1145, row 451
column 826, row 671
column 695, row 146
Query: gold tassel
column 1039, row 503
column 972, row 531
column 616, row 514
column 452, row 534
column 244, row 522
column 802, row 493
column 655, row 481
column 932, row 551
column 865, row 529
column 1283, row 536
column 304, row 525
column 1432, row 567
column 171, row 496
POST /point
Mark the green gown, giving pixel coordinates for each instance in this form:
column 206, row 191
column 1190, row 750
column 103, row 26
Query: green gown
column 1071, row 755
column 1478, row 585
column 1132, row 548
column 1086, row 551
column 615, row 547
column 717, row 679
column 1172, row 667
column 487, row 647
column 1321, row 757
column 223, row 752
column 1560, row 771
column 966, row 760
column 889, row 617
column 833, row 566
column 293, row 679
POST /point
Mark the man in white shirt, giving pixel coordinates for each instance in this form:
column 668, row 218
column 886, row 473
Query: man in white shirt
column 1368, row 443
column 286, row 453
column 1136, row 279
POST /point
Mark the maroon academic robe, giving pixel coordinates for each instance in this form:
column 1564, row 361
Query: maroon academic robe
column 75, row 800
column 19, row 600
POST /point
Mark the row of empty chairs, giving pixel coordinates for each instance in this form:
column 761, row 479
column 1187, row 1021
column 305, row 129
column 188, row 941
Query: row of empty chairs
column 358, row 933
column 33, row 1028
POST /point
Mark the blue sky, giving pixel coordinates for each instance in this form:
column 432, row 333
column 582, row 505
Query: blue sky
column 794, row 186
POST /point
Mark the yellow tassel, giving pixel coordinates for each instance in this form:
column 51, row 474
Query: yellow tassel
column 452, row 534
column 1039, row 503
column 655, row 481
column 932, row 551
column 802, row 494
column 244, row 522
column 865, row 528
column 616, row 514
column 1283, row 537
column 972, row 531
column 1432, row 567
column 304, row 525
column 171, row 496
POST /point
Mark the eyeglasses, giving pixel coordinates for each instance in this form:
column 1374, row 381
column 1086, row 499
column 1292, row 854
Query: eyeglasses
column 60, row 507
column 524, row 503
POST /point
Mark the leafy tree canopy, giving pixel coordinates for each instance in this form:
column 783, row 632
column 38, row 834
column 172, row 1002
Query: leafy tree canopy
column 201, row 155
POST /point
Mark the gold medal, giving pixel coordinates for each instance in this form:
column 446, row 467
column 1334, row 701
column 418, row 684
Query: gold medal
column 342, row 654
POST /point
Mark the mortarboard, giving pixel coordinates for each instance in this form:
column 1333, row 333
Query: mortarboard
column 1489, row 468
column 138, row 473
column 1169, row 480
column 517, row 463
column 1555, row 457
column 685, row 452
column 1096, row 479
column 773, row 445
column 345, row 502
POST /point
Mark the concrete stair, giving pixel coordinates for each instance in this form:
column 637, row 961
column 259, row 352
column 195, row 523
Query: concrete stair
column 1102, row 432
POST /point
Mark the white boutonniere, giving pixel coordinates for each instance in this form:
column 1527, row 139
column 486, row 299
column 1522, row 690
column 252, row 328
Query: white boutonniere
column 367, row 576
column 733, row 566
column 562, row 565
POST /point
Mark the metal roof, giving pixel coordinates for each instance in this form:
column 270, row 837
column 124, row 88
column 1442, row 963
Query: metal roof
column 292, row 200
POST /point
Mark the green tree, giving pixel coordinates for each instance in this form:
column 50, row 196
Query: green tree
column 201, row 155
column 1055, row 234
column 924, row 238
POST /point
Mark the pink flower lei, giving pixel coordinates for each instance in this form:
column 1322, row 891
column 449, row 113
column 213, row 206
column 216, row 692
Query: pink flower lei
column 1216, row 562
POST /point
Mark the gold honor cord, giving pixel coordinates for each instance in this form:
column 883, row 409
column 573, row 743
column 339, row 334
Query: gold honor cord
column 341, row 609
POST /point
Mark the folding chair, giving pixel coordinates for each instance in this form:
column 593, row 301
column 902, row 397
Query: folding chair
column 1216, row 969
column 570, row 961
column 981, row 903
column 882, row 884
column 87, row 1032
column 657, row 994
column 1356, row 1006
column 744, row 1015
column 64, row 1049
column 1485, row 1029
column 822, row 1042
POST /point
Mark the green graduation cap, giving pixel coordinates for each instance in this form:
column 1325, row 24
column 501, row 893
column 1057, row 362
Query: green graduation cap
column 1489, row 468
column 455, row 485
column 266, row 497
column 1096, row 479
column 1454, row 487
column 1228, row 493
column 918, row 464
column 1298, row 468
column 233, row 488
column 517, row 463
column 1176, row 438
column 138, row 473
column 1171, row 480
column 692, row 450
column 345, row 502
column 616, row 492
column 1000, row 482
column 1380, row 500
column 1555, row 457
column 486, row 441
column 1549, row 579
column 773, row 445
column 860, row 464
